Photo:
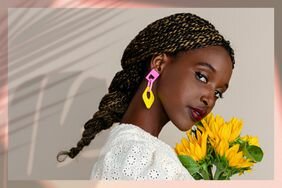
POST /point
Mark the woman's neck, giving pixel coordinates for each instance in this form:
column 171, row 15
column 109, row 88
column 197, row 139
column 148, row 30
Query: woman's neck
column 151, row 120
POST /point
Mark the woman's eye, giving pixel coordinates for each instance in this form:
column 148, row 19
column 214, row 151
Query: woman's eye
column 201, row 77
column 218, row 94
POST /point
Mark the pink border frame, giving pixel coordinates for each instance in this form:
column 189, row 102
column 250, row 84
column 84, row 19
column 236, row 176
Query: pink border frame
column 126, row 4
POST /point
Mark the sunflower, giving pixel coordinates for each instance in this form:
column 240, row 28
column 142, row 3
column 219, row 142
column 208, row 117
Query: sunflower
column 234, row 156
column 195, row 146
column 252, row 140
column 218, row 129
column 215, row 142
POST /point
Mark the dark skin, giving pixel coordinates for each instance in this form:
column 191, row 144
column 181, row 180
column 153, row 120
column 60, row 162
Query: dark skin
column 192, row 79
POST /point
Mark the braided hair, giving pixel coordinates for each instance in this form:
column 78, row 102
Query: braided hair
column 171, row 34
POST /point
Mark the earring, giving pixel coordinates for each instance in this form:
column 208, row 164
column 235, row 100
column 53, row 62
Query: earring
column 151, row 77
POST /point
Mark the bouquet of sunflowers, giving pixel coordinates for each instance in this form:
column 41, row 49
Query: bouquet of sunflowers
column 212, row 142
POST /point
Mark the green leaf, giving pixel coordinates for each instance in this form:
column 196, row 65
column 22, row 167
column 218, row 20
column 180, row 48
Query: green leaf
column 197, row 176
column 199, row 123
column 221, row 162
column 190, row 164
column 252, row 152
column 224, row 178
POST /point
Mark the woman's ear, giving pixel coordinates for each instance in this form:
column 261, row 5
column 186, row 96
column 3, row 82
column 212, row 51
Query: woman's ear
column 159, row 62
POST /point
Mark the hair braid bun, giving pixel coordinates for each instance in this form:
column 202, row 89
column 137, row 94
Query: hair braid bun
column 178, row 32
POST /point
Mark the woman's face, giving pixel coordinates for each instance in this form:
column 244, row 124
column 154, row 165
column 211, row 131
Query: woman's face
column 190, row 84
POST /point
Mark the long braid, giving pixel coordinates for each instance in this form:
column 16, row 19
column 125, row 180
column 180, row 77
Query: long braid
column 112, row 106
column 171, row 34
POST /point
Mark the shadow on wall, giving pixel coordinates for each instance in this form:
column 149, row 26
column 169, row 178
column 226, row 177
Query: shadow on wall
column 47, row 112
column 46, row 115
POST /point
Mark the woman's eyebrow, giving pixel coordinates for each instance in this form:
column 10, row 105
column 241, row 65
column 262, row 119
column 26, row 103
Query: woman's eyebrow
column 205, row 64
column 209, row 66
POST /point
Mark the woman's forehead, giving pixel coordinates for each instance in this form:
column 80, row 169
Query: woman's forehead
column 212, row 57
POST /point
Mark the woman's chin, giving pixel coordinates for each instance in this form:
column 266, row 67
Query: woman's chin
column 185, row 127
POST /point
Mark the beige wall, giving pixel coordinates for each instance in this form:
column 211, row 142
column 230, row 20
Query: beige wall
column 62, row 61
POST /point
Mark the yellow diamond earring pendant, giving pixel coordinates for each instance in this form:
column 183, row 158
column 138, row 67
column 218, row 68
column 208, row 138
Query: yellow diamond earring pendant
column 148, row 96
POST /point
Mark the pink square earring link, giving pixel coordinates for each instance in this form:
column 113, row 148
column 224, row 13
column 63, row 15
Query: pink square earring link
column 151, row 77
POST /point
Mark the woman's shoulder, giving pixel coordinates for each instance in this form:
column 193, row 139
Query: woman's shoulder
column 130, row 133
column 128, row 136
column 135, row 154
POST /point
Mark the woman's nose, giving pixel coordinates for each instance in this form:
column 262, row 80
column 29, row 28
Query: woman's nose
column 205, row 101
column 208, row 99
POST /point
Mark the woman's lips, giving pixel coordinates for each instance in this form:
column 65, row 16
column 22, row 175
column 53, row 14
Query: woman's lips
column 196, row 114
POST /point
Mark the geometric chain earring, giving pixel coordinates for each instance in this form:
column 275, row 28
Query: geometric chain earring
column 149, row 100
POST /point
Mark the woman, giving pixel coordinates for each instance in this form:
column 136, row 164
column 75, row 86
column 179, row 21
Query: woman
column 173, row 70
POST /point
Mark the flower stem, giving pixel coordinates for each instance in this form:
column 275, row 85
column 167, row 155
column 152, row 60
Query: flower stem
column 217, row 174
column 205, row 173
column 210, row 172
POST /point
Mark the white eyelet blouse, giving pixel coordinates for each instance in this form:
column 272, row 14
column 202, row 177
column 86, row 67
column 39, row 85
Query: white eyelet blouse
column 133, row 154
